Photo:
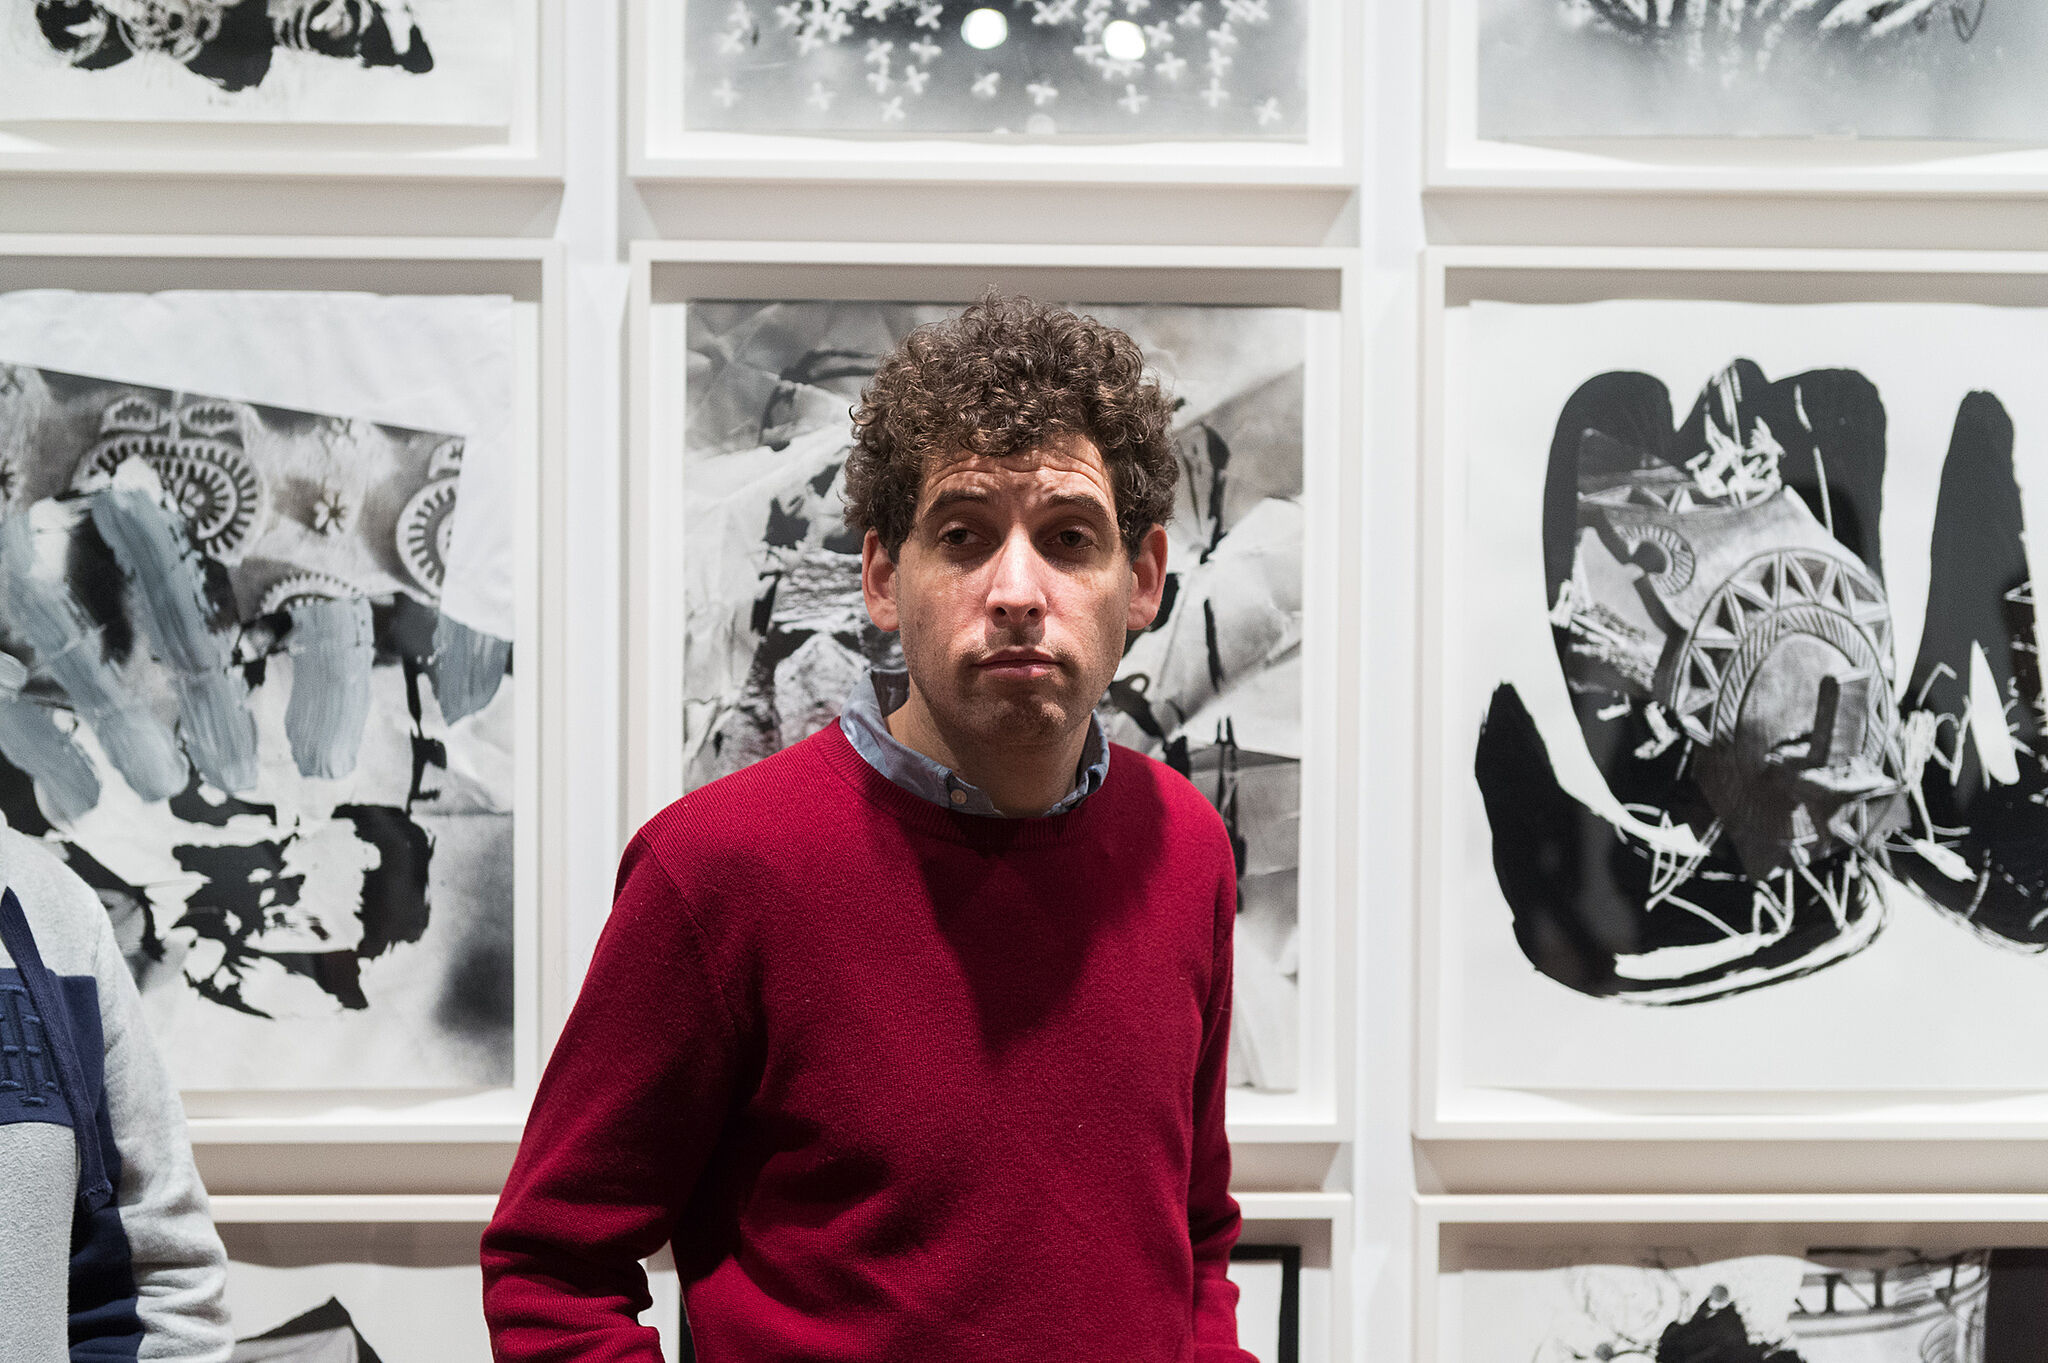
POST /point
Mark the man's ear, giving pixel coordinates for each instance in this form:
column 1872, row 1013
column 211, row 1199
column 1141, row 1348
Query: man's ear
column 878, row 583
column 1148, row 578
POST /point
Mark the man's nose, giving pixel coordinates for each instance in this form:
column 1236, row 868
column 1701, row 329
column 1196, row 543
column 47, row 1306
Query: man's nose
column 1016, row 591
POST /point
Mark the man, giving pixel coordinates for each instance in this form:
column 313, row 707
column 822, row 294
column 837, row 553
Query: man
column 912, row 1037
column 107, row 1248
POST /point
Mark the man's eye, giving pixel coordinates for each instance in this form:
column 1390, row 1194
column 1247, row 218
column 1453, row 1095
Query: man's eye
column 954, row 537
column 1074, row 539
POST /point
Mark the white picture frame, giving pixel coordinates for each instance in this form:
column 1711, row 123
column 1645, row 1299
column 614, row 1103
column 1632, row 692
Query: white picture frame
column 1319, row 1224
column 668, row 273
column 1458, row 160
column 528, row 147
column 660, row 148
column 1447, row 1107
column 1446, row 1226
column 368, row 1232
column 530, row 273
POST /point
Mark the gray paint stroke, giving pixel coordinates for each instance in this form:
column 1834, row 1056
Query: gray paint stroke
column 332, row 643
column 468, row 668
column 66, row 787
column 167, row 579
column 46, row 614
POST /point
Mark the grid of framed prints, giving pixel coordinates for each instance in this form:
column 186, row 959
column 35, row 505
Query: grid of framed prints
column 301, row 759
column 749, row 626
column 1850, row 96
column 1172, row 91
column 1735, row 728
column 1836, row 1279
column 375, row 1279
column 386, row 88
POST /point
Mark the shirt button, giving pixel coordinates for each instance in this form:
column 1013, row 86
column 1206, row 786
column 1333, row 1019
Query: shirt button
column 959, row 797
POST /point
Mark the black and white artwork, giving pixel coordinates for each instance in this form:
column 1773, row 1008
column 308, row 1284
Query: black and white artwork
column 1791, row 708
column 379, row 1292
column 323, row 61
column 1099, row 69
column 231, row 699
column 1828, row 1305
column 1268, row 1281
column 776, row 633
column 1894, row 69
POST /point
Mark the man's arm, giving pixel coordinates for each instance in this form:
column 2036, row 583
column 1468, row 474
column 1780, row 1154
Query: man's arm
column 1213, row 1217
column 628, row 1111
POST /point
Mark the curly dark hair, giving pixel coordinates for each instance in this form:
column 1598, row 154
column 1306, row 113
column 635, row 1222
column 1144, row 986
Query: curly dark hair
column 1005, row 376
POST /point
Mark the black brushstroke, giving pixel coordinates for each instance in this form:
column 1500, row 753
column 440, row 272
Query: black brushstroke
column 786, row 530
column 1980, row 593
column 1579, row 887
column 328, row 1317
column 1716, row 1333
column 394, row 896
column 18, row 802
column 2016, row 1311
column 1213, row 644
column 194, row 805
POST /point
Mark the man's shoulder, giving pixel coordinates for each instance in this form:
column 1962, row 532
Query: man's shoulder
column 1163, row 794
column 761, row 805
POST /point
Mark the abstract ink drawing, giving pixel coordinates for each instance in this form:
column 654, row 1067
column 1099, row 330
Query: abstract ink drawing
column 777, row 633
column 1828, row 1306
column 230, row 700
column 231, row 42
column 1160, row 69
column 1870, row 68
column 394, row 62
column 1718, row 605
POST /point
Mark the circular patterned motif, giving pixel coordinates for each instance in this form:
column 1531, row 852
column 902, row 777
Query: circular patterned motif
column 424, row 530
column 213, row 484
column 308, row 586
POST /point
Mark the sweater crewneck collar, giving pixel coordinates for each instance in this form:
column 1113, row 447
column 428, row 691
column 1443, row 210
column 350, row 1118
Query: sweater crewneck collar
column 923, row 816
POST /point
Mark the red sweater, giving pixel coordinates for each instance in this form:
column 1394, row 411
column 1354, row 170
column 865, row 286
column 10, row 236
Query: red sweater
column 898, row 1083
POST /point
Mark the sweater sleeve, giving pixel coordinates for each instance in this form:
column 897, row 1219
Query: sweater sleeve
column 1213, row 1217
column 625, row 1119
column 179, row 1270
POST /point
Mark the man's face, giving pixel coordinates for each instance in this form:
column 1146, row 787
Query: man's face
column 1013, row 593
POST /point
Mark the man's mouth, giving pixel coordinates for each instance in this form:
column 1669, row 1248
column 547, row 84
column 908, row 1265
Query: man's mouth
column 1017, row 665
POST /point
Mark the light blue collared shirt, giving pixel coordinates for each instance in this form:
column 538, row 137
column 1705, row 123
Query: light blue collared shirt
column 865, row 724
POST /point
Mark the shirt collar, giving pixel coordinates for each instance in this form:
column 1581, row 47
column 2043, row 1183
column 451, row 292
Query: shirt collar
column 864, row 720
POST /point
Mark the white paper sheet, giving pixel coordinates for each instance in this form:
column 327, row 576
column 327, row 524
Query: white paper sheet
column 1929, row 1005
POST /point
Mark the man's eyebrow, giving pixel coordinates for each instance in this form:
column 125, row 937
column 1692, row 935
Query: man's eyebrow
column 955, row 496
column 1079, row 501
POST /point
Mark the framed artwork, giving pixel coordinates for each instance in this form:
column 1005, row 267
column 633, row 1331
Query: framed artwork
column 374, row 1279
column 1790, row 1279
column 271, row 593
column 1268, row 1279
column 1853, row 97
column 749, row 625
column 1735, row 707
column 1173, row 91
column 373, row 87
column 1293, row 1275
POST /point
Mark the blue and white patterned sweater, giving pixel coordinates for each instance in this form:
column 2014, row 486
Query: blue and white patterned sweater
column 107, row 1248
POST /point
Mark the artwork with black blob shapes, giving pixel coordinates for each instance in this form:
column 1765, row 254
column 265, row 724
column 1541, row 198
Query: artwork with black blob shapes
column 1827, row 1305
column 1722, row 621
column 776, row 632
column 1915, row 69
column 1127, row 69
column 344, row 61
column 253, row 732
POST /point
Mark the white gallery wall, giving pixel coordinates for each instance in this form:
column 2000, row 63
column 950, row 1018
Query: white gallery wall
column 596, row 213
